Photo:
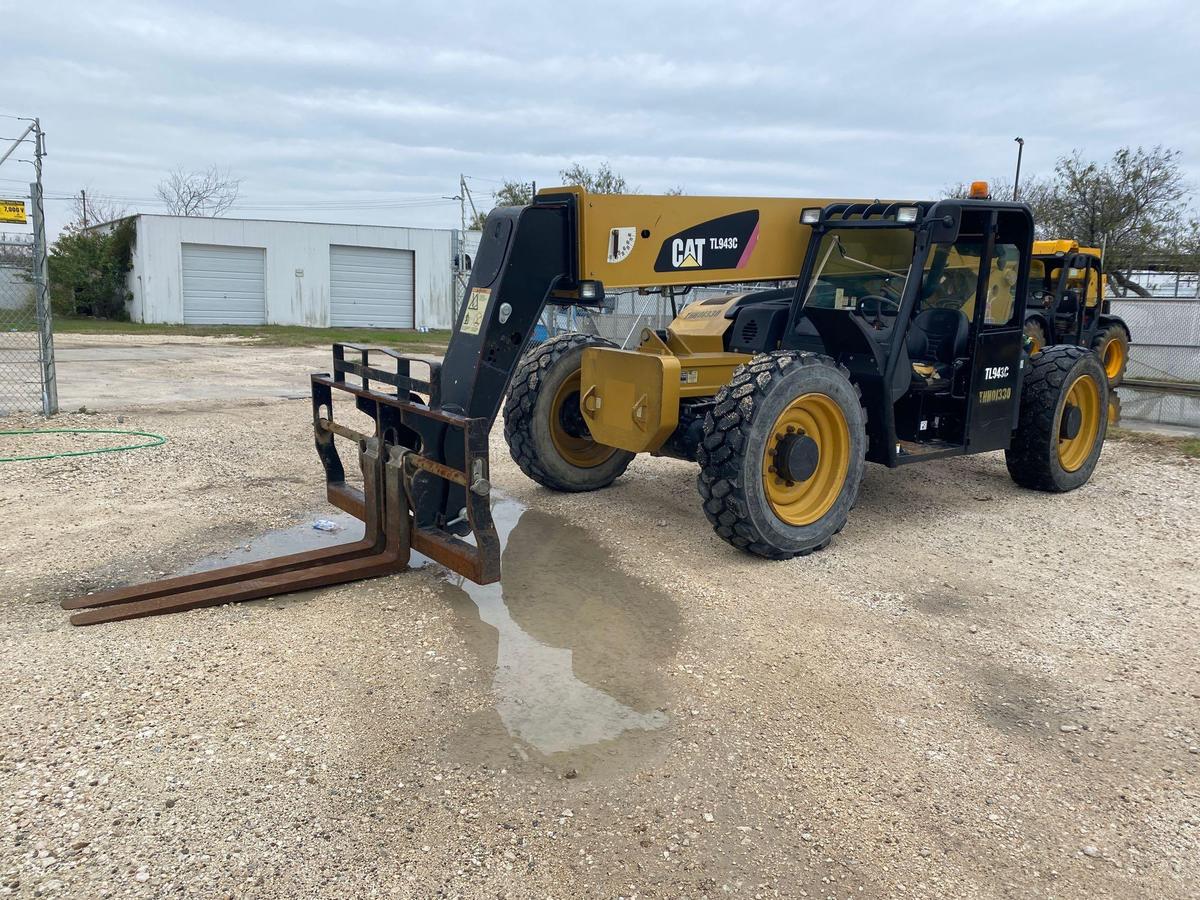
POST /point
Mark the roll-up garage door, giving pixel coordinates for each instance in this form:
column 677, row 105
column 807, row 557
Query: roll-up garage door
column 224, row 285
column 371, row 287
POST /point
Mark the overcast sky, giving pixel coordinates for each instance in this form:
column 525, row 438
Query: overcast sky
column 321, row 107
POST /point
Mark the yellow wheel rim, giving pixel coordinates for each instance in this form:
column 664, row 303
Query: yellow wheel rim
column 1114, row 357
column 1084, row 395
column 568, row 430
column 818, row 417
column 1035, row 346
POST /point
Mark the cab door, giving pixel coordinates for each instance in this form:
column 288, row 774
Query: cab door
column 997, row 368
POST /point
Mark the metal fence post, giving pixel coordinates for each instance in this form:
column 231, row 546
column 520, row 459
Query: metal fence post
column 45, row 322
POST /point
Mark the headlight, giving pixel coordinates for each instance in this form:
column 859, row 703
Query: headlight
column 590, row 290
column 810, row 216
column 906, row 214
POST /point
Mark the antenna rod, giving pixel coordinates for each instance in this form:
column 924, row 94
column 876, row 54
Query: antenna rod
column 1017, row 178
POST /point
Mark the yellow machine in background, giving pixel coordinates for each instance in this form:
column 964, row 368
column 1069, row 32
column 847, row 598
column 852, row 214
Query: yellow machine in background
column 1069, row 304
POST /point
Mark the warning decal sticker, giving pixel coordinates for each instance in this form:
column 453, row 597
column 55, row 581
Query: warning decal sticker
column 477, row 305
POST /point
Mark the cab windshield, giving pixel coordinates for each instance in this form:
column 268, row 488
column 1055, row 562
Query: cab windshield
column 853, row 263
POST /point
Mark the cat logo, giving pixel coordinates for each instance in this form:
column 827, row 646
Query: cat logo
column 687, row 254
column 722, row 243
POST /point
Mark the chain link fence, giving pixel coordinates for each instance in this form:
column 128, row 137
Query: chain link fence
column 1162, row 381
column 27, row 379
column 20, row 346
column 632, row 312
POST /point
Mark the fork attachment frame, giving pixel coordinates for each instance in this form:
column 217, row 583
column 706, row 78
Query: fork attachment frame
column 393, row 473
column 425, row 464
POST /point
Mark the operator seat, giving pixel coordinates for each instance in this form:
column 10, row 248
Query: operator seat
column 935, row 339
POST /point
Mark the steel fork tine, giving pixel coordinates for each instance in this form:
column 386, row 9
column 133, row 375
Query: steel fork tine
column 393, row 558
column 229, row 577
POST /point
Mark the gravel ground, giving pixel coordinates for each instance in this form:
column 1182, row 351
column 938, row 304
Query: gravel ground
column 976, row 691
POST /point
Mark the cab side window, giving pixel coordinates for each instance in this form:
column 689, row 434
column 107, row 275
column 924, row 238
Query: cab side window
column 951, row 277
column 1001, row 303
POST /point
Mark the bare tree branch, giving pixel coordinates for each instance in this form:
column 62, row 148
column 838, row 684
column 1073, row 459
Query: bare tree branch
column 207, row 193
column 99, row 211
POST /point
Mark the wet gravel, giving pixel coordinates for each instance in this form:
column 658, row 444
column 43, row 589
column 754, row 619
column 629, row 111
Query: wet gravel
column 976, row 691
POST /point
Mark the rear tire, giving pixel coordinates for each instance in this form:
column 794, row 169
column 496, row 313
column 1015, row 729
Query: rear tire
column 1037, row 335
column 545, row 431
column 1112, row 346
column 1054, row 448
column 783, row 410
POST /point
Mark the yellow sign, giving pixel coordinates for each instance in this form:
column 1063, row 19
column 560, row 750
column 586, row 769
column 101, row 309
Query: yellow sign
column 12, row 211
column 477, row 304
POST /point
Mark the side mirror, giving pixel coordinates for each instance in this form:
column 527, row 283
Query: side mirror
column 944, row 228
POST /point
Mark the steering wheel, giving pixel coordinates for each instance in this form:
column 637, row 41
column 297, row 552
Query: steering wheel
column 884, row 306
column 1041, row 298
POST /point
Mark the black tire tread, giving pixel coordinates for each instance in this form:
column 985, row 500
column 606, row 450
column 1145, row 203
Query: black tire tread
column 522, row 397
column 1029, row 456
column 726, row 431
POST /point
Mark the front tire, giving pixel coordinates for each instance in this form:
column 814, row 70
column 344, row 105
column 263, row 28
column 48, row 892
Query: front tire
column 783, row 454
column 546, row 432
column 1062, row 421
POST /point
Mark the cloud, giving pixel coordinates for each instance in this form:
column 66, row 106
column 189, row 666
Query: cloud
column 366, row 103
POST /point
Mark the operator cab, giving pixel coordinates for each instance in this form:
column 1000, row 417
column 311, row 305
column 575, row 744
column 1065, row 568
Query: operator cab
column 924, row 304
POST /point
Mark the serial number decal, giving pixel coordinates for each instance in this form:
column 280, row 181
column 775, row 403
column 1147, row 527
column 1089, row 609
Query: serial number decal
column 477, row 305
column 995, row 395
column 702, row 313
column 993, row 373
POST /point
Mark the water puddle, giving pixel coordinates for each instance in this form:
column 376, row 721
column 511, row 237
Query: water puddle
column 296, row 539
column 577, row 647
column 578, row 642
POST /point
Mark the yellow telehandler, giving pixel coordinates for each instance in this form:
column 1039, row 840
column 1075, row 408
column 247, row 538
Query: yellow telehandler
column 898, row 340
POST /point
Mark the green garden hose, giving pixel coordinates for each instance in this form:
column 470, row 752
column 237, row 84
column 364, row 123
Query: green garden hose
column 155, row 441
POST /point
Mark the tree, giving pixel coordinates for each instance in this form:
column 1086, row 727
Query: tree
column 603, row 181
column 520, row 193
column 676, row 191
column 207, row 193
column 1134, row 207
column 510, row 193
column 88, row 271
column 88, row 210
column 1032, row 190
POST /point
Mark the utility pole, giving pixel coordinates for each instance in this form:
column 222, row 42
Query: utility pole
column 41, row 278
column 83, row 203
column 462, row 203
column 1017, row 178
column 466, row 192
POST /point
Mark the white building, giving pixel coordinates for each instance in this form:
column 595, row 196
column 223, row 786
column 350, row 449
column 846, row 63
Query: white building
column 217, row 271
